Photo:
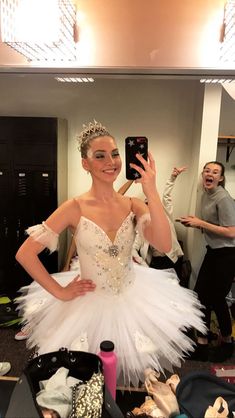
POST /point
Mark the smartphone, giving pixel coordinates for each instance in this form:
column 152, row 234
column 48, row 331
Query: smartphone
column 135, row 145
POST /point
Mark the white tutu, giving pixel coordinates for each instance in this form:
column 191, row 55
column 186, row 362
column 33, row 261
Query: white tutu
column 142, row 310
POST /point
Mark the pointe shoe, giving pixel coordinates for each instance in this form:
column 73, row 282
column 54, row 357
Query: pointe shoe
column 148, row 409
column 162, row 394
column 173, row 382
column 213, row 411
column 139, row 415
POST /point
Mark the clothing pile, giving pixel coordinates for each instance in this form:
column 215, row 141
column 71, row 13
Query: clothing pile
column 69, row 397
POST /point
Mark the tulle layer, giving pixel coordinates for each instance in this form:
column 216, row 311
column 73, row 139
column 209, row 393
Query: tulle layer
column 146, row 322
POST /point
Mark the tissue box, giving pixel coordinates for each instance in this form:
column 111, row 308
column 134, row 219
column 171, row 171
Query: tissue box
column 226, row 372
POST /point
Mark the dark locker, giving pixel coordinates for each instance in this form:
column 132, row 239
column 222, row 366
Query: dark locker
column 28, row 186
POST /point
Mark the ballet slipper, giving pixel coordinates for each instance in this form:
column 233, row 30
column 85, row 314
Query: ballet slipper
column 149, row 408
column 173, row 382
column 148, row 371
column 162, row 394
column 213, row 411
column 136, row 411
column 139, row 415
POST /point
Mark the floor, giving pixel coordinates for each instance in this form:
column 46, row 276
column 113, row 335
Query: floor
column 18, row 355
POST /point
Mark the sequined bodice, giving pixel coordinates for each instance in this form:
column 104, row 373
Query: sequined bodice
column 107, row 263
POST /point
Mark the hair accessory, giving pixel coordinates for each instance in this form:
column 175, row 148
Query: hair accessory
column 90, row 131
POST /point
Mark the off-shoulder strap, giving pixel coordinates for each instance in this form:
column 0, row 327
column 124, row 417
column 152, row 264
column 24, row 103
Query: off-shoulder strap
column 45, row 235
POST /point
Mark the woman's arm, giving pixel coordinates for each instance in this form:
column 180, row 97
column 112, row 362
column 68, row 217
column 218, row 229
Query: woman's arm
column 157, row 230
column 65, row 216
column 225, row 223
column 194, row 222
column 27, row 256
column 167, row 193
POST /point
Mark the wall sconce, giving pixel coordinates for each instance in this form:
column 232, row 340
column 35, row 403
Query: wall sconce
column 227, row 35
column 40, row 30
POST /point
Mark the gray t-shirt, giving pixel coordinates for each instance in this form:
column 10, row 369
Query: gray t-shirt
column 218, row 208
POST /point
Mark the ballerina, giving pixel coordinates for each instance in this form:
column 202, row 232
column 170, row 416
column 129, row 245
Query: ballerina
column 142, row 310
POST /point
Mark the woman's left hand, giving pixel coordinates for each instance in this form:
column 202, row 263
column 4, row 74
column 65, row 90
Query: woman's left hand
column 148, row 174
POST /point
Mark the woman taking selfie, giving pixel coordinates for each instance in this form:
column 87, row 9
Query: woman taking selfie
column 143, row 311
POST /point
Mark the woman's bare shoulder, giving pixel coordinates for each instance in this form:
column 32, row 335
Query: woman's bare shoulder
column 79, row 200
column 66, row 215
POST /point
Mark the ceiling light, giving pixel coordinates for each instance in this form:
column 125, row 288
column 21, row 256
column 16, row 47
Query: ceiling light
column 75, row 79
column 216, row 80
column 40, row 30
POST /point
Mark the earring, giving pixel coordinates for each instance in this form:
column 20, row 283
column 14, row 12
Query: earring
column 87, row 171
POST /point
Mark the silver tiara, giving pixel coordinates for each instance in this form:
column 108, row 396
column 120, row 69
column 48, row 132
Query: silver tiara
column 92, row 130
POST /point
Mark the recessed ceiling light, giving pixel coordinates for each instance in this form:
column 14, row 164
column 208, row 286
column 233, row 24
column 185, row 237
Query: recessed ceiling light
column 75, row 79
column 216, row 80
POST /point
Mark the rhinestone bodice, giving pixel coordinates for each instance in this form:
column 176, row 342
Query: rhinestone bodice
column 107, row 263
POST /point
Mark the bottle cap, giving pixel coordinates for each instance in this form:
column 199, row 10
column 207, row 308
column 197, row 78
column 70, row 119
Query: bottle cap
column 107, row 346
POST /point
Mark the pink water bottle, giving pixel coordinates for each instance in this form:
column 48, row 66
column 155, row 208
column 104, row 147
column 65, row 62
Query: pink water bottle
column 109, row 360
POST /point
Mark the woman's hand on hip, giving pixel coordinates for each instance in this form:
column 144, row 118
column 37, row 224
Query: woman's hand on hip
column 77, row 287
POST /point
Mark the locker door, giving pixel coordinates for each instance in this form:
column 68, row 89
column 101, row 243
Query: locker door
column 5, row 219
column 28, row 187
column 34, row 200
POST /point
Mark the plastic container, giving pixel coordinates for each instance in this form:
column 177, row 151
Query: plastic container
column 109, row 360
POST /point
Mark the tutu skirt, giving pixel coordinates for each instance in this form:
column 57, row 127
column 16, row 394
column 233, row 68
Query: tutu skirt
column 146, row 322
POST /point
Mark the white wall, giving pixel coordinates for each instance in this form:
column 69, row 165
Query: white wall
column 163, row 110
column 181, row 120
column 227, row 127
column 207, row 147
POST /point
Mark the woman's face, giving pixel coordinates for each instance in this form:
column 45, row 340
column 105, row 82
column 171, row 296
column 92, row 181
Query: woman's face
column 103, row 160
column 211, row 176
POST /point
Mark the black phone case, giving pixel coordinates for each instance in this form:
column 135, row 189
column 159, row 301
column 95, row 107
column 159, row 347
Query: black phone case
column 135, row 145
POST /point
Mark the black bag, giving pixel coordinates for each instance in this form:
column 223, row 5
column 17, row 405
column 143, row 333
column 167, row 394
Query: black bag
column 81, row 365
column 197, row 390
column 185, row 273
column 8, row 315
